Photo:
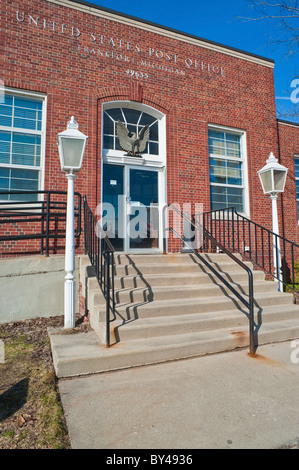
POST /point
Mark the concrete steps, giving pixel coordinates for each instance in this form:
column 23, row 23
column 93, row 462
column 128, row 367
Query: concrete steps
column 171, row 307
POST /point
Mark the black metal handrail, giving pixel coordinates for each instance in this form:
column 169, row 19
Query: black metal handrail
column 249, row 304
column 101, row 255
column 259, row 245
column 39, row 207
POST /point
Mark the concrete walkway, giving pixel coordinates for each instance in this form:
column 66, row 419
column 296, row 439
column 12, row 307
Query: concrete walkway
column 221, row 401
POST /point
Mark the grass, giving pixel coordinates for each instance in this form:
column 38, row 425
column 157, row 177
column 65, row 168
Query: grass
column 31, row 414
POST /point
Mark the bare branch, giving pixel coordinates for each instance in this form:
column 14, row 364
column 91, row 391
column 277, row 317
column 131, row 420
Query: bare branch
column 284, row 14
column 283, row 17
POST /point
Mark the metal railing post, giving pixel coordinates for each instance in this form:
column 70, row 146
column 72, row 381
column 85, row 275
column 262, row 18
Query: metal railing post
column 251, row 316
column 48, row 224
column 42, row 228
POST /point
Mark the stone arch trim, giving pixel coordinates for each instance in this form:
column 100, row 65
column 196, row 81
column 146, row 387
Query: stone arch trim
column 135, row 92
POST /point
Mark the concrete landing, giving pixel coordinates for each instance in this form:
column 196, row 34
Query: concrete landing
column 222, row 401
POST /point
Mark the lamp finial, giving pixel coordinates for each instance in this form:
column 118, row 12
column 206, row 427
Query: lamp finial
column 272, row 158
column 72, row 124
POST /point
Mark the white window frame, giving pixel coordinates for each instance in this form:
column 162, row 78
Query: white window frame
column 243, row 148
column 42, row 133
column 296, row 157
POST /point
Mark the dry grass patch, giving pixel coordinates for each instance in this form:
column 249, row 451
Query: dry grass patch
column 31, row 415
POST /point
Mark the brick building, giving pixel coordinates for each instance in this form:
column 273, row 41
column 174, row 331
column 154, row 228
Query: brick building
column 210, row 111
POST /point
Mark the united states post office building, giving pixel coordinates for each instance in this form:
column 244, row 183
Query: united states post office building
column 210, row 110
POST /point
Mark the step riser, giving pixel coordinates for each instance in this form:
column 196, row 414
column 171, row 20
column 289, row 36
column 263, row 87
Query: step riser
column 127, row 282
column 166, row 268
column 131, row 270
column 154, row 332
column 170, row 258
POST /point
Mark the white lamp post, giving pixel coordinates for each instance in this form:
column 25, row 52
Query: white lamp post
column 71, row 146
column 273, row 178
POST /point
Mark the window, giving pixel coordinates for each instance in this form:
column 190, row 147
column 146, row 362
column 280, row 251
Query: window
column 21, row 142
column 297, row 182
column 134, row 120
column 227, row 181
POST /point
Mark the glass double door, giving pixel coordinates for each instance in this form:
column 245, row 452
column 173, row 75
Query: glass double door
column 130, row 209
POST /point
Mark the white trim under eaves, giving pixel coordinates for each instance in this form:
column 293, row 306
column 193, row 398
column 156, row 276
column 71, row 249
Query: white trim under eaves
column 283, row 123
column 163, row 32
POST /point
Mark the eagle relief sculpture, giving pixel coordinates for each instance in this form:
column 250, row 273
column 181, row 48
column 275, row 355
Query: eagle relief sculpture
column 132, row 144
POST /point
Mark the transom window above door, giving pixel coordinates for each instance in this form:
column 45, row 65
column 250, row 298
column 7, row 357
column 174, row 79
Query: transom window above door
column 134, row 120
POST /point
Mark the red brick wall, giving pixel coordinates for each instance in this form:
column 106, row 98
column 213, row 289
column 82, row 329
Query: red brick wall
column 289, row 146
column 77, row 82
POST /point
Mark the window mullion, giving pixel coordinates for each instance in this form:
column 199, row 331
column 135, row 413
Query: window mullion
column 114, row 134
column 13, row 113
column 20, row 130
column 11, row 134
column 225, row 157
column 10, row 150
column 124, row 117
column 242, row 186
column 20, row 167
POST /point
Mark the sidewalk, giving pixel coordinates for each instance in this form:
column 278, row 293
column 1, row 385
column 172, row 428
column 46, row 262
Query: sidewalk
column 221, row 401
